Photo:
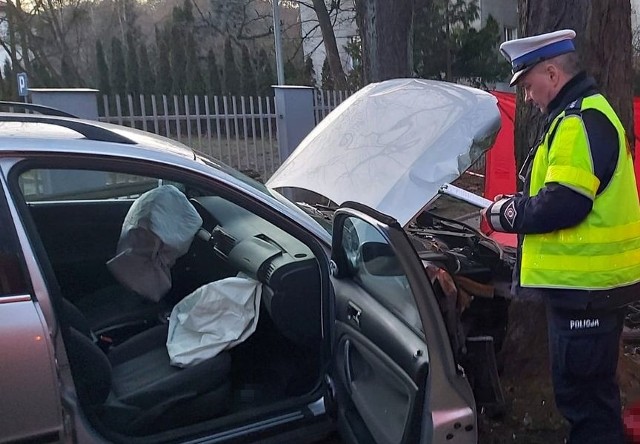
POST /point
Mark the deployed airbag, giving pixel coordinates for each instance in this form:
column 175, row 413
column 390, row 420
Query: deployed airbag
column 158, row 229
column 213, row 318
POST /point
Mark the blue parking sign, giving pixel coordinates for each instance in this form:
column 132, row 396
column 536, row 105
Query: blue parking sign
column 23, row 84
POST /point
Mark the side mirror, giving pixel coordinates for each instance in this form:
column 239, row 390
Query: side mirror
column 378, row 259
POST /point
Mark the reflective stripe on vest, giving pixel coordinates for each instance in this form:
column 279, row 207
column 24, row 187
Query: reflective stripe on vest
column 603, row 251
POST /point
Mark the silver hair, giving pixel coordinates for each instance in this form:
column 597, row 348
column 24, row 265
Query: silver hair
column 569, row 63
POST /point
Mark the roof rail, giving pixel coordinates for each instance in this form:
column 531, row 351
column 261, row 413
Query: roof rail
column 46, row 110
column 88, row 130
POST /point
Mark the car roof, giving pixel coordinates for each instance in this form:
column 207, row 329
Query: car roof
column 31, row 132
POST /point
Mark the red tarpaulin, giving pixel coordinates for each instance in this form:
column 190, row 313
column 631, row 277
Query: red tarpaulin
column 501, row 170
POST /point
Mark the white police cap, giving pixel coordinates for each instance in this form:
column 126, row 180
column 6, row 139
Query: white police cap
column 527, row 52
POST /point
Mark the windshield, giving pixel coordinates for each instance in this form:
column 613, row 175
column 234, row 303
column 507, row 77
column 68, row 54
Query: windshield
column 258, row 186
column 215, row 163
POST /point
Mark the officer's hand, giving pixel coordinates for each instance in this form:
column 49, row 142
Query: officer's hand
column 502, row 196
column 485, row 226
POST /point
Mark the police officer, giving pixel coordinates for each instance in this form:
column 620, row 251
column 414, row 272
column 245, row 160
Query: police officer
column 578, row 221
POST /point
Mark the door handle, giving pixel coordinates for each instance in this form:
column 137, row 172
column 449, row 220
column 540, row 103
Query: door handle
column 353, row 313
column 347, row 364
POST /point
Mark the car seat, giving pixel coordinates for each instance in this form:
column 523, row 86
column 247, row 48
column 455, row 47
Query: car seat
column 113, row 311
column 158, row 228
column 133, row 389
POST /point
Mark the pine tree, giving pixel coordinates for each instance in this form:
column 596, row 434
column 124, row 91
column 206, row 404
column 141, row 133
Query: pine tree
column 214, row 87
column 248, row 74
column 231, row 74
column 265, row 76
column 178, row 59
column 187, row 11
column 43, row 78
column 66, row 71
column 327, row 79
column 177, row 15
column 291, row 75
column 118, row 79
column 194, row 83
column 309, row 73
column 447, row 46
column 133, row 71
column 477, row 59
column 2, row 87
column 163, row 73
column 354, row 77
column 102, row 70
column 147, row 77
column 10, row 87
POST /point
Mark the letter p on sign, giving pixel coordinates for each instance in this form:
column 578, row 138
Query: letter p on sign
column 23, row 84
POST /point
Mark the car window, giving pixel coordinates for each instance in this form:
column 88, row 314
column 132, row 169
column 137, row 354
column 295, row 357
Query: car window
column 375, row 267
column 12, row 278
column 61, row 184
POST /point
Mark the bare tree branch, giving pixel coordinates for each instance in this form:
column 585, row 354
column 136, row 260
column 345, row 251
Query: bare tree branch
column 331, row 47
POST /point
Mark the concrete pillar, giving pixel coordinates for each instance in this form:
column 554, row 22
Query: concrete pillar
column 295, row 116
column 81, row 102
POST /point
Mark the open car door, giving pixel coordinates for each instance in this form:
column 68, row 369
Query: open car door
column 393, row 372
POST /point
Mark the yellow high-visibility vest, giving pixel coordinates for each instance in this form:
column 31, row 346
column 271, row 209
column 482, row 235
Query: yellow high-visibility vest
column 602, row 251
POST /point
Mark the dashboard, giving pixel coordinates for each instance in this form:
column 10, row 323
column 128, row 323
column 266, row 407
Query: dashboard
column 246, row 241
column 286, row 266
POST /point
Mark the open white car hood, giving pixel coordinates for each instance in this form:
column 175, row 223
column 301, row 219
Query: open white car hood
column 393, row 144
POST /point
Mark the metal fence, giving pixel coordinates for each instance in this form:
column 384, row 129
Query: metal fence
column 326, row 101
column 240, row 131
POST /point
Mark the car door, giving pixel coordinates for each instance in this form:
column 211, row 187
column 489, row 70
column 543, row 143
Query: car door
column 30, row 408
column 393, row 373
column 79, row 216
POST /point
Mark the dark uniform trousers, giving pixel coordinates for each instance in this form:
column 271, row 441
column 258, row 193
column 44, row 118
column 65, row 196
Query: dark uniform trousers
column 584, row 346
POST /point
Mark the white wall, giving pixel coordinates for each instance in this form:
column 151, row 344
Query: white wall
column 345, row 29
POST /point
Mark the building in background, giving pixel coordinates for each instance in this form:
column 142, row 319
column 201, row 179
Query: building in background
column 505, row 12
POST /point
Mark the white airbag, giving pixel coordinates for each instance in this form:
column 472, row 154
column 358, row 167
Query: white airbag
column 215, row 317
column 158, row 229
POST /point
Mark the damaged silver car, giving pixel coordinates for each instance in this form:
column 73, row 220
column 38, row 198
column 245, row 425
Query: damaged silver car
column 152, row 295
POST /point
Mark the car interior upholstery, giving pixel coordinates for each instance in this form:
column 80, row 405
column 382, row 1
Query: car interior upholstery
column 134, row 389
column 116, row 340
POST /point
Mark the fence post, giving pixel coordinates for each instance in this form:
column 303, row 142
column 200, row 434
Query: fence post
column 295, row 117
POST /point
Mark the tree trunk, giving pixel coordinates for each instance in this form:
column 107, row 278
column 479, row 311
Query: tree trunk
column 386, row 31
column 13, row 19
column 603, row 41
column 330, row 45
column 24, row 43
column 606, row 51
column 448, row 75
